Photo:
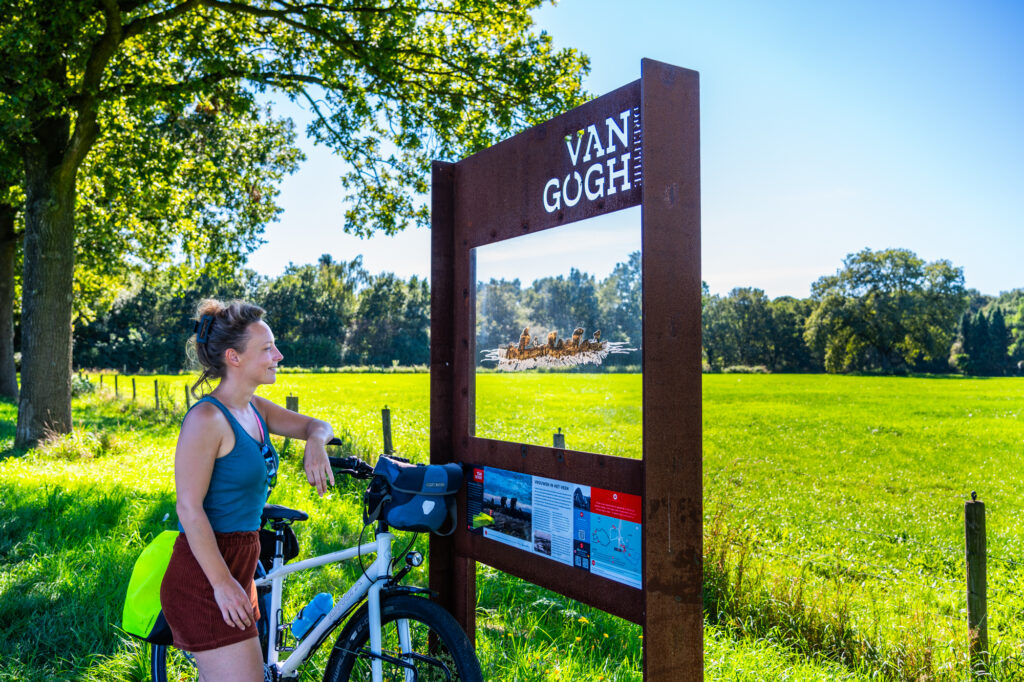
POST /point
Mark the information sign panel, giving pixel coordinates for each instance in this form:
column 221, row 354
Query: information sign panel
column 592, row 529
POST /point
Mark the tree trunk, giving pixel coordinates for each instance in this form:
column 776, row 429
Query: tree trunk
column 45, row 401
column 8, row 248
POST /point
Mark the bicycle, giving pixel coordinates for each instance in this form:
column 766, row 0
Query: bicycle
column 391, row 631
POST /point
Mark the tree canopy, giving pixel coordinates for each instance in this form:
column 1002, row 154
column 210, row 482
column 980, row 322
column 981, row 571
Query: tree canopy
column 196, row 187
column 392, row 87
column 746, row 328
column 885, row 310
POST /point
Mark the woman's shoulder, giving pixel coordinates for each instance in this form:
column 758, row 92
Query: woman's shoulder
column 205, row 431
column 205, row 415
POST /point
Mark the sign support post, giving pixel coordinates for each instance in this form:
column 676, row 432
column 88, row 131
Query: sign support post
column 673, row 492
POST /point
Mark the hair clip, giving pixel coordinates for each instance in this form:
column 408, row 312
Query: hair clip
column 202, row 328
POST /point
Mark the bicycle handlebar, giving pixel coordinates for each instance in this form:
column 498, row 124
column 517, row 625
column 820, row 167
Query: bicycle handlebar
column 351, row 466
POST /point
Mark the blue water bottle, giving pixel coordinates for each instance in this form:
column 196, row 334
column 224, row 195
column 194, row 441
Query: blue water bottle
column 311, row 614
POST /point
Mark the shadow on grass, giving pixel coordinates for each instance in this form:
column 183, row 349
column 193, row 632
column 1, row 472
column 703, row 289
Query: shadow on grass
column 8, row 428
column 114, row 417
column 68, row 555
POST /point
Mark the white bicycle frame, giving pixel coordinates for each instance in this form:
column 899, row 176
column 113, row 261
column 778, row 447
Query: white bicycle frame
column 369, row 585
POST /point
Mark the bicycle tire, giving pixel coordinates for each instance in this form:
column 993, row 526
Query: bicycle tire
column 440, row 645
column 181, row 665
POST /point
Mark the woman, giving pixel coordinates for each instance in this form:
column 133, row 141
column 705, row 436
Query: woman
column 224, row 465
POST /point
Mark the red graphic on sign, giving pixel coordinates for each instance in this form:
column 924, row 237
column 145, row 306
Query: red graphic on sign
column 478, row 475
column 617, row 505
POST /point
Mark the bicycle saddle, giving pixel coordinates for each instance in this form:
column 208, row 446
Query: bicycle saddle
column 275, row 512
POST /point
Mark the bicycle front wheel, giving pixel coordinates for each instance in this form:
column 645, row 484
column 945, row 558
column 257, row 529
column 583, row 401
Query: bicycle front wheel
column 437, row 648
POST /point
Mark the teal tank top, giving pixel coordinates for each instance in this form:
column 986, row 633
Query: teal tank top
column 239, row 482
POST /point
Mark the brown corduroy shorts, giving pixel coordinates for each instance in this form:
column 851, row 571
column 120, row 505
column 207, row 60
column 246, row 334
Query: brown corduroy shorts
column 186, row 595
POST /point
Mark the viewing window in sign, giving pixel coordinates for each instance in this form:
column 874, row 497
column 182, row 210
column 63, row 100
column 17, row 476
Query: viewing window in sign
column 558, row 336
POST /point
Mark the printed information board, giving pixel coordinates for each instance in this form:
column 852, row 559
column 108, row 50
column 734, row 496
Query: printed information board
column 592, row 529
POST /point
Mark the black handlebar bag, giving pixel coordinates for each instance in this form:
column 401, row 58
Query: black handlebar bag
column 413, row 497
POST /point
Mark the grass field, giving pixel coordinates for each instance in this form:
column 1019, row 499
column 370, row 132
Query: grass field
column 833, row 522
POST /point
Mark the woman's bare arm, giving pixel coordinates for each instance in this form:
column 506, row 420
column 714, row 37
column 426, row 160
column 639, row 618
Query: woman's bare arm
column 315, row 432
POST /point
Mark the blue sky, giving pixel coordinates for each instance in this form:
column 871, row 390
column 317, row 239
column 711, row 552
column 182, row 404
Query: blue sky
column 825, row 128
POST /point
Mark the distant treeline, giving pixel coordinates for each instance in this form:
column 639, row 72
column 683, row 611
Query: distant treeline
column 885, row 311
column 325, row 314
column 561, row 304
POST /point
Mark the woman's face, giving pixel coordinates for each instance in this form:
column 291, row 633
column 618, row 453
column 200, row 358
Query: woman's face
column 258, row 362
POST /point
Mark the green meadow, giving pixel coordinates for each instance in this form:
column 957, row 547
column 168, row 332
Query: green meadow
column 833, row 525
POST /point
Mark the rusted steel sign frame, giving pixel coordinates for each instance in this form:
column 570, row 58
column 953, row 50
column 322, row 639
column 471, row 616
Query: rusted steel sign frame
column 536, row 181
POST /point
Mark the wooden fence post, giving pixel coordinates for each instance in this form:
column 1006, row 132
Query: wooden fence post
column 291, row 402
column 385, row 418
column 101, row 378
column 559, row 439
column 156, row 393
column 133, row 389
column 117, row 394
column 977, row 585
column 188, row 398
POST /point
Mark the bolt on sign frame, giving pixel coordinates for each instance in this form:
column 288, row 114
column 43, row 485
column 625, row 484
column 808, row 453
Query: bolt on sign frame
column 504, row 192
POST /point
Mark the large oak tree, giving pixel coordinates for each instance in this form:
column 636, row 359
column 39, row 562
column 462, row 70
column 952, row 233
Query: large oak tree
column 197, row 187
column 393, row 85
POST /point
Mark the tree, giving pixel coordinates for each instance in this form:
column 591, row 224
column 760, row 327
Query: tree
column 311, row 307
column 620, row 298
column 982, row 347
column 413, row 344
column 560, row 304
column 1000, row 346
column 959, row 354
column 997, row 353
column 392, row 86
column 716, row 333
column 197, row 185
column 391, row 323
column 737, row 329
column 750, row 320
column 885, row 310
column 1016, row 326
column 500, row 314
column 149, row 322
column 787, row 350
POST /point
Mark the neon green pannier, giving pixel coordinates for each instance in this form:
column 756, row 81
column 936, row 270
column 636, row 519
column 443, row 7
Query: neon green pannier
column 143, row 617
